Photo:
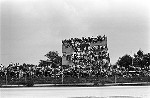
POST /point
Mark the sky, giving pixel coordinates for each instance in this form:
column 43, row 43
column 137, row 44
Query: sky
column 31, row 28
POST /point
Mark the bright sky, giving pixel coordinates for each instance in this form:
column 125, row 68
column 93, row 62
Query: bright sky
column 31, row 28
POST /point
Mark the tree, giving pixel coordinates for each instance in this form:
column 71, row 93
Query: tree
column 137, row 62
column 139, row 59
column 140, row 53
column 125, row 61
column 52, row 54
column 146, row 60
column 55, row 58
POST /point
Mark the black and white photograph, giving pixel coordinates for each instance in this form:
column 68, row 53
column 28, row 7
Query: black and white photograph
column 74, row 49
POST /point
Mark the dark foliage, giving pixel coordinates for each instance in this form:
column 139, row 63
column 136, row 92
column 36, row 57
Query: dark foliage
column 28, row 83
column 125, row 61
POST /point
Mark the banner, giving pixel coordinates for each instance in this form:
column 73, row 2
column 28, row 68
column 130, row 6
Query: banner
column 65, row 61
column 67, row 50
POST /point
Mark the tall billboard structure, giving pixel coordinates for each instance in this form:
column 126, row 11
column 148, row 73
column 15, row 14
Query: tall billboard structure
column 85, row 52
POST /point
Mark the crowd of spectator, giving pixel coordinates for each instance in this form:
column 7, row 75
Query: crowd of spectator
column 89, row 54
column 82, row 44
column 17, row 71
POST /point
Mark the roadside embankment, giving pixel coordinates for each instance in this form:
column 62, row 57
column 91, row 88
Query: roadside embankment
column 81, row 85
